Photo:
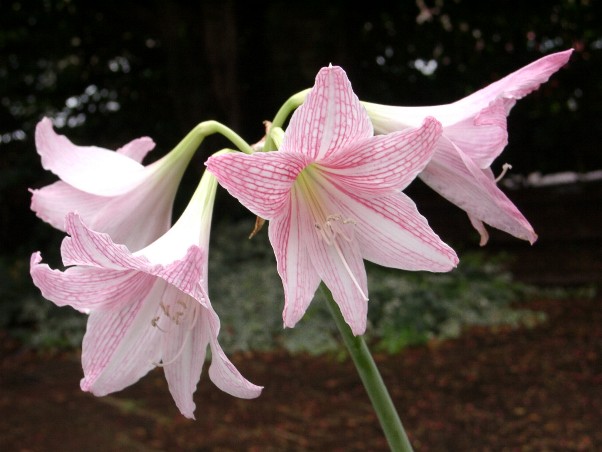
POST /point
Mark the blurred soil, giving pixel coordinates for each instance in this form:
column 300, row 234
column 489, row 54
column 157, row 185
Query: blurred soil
column 531, row 389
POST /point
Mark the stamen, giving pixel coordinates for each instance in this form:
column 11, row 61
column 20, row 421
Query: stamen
column 195, row 317
column 332, row 228
column 155, row 323
column 355, row 281
column 329, row 231
column 505, row 168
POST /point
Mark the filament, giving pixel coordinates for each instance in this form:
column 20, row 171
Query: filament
column 329, row 232
column 189, row 329
column 505, row 168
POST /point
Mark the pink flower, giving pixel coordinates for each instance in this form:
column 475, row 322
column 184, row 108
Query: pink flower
column 148, row 308
column 474, row 134
column 333, row 196
column 111, row 191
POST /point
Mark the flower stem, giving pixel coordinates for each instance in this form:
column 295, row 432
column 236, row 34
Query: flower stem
column 207, row 128
column 372, row 380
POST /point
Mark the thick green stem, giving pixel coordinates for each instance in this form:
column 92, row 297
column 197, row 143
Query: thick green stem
column 210, row 127
column 372, row 380
column 287, row 108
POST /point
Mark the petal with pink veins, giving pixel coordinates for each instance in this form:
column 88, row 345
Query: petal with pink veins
column 474, row 134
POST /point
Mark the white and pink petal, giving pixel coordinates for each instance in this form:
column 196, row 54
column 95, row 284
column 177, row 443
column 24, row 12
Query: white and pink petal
column 331, row 118
column 382, row 164
column 392, row 233
column 289, row 235
column 261, row 181
column 85, row 288
column 121, row 345
column 86, row 167
column 53, row 202
column 454, row 175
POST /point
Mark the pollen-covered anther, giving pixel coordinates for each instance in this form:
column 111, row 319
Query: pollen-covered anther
column 175, row 317
column 336, row 226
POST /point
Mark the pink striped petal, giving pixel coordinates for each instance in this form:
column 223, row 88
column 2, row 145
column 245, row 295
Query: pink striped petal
column 384, row 163
column 331, row 118
column 121, row 345
column 221, row 371
column 184, row 344
column 289, row 236
column 84, row 289
column 453, row 175
column 517, row 84
column 341, row 267
column 261, row 182
column 484, row 136
column 391, row 232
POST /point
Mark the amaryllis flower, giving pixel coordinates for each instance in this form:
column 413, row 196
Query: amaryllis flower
column 332, row 195
column 111, row 191
column 148, row 308
column 474, row 135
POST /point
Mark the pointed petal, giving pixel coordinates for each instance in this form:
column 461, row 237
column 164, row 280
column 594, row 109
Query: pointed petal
column 137, row 149
column 90, row 248
column 331, row 118
column 519, row 83
column 184, row 346
column 187, row 273
column 85, row 288
column 476, row 123
column 391, row 232
column 222, row 372
column 53, row 202
column 385, row 163
column 121, row 345
column 388, row 118
column 454, row 176
column 490, row 106
column 85, row 167
column 261, row 181
column 289, row 235
column 341, row 267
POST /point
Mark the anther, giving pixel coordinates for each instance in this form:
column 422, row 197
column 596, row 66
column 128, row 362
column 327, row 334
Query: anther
column 333, row 227
column 195, row 317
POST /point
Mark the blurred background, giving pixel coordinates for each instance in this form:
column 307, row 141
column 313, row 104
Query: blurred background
column 108, row 72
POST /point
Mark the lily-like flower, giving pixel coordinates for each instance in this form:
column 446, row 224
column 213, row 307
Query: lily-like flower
column 111, row 191
column 148, row 308
column 474, row 134
column 332, row 195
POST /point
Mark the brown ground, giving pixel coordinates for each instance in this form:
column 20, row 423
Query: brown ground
column 527, row 390
column 534, row 389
